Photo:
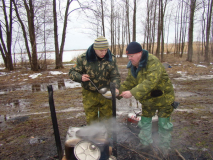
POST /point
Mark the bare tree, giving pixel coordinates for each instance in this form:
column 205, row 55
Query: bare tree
column 180, row 29
column 59, row 53
column 134, row 22
column 160, row 35
column 31, row 27
column 112, row 26
column 148, row 25
column 153, row 26
column 208, row 27
column 191, row 29
column 127, row 21
column 23, row 31
column 102, row 17
column 6, row 48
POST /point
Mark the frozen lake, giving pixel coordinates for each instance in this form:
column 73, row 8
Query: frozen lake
column 67, row 56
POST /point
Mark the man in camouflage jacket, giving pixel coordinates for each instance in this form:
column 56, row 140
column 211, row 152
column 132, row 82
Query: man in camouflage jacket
column 149, row 83
column 98, row 64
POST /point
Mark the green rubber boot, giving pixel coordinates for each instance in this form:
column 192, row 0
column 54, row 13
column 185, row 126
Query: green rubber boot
column 164, row 130
column 145, row 134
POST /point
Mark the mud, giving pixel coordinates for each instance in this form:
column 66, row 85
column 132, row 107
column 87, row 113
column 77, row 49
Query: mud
column 26, row 130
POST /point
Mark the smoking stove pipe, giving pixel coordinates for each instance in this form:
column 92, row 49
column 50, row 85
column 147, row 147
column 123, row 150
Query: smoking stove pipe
column 112, row 88
column 54, row 121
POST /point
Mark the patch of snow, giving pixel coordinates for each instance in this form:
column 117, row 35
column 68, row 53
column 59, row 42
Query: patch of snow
column 184, row 110
column 68, row 64
column 71, row 109
column 204, row 149
column 55, row 72
column 71, row 84
column 195, row 77
column 199, row 65
column 193, row 148
column 35, row 75
column 3, row 73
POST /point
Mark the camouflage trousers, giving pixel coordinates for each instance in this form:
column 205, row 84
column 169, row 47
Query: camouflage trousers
column 163, row 111
column 96, row 107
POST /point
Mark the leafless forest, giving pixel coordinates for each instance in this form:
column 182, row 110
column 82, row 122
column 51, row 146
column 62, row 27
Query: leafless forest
column 32, row 26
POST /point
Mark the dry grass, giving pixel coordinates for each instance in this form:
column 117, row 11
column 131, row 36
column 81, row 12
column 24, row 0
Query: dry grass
column 170, row 49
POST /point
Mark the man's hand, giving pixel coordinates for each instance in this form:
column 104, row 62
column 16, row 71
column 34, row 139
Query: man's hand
column 116, row 91
column 85, row 77
column 126, row 94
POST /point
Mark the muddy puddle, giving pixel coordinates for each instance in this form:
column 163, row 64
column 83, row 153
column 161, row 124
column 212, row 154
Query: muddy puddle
column 20, row 106
column 57, row 85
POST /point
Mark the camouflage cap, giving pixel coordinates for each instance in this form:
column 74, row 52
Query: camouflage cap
column 101, row 43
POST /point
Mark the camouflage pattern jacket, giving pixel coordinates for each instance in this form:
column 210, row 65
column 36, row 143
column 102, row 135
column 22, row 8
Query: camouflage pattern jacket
column 101, row 71
column 150, row 77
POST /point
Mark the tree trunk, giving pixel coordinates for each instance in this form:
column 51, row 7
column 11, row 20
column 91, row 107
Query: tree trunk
column 112, row 25
column 8, row 28
column 208, row 26
column 24, row 33
column 153, row 27
column 64, row 34
column 3, row 48
column 159, row 31
column 102, row 17
column 134, row 22
column 191, row 28
column 57, row 60
column 31, row 27
column 127, row 20
column 162, row 28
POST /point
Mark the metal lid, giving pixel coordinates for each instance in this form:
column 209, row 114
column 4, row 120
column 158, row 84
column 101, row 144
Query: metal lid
column 108, row 94
column 86, row 150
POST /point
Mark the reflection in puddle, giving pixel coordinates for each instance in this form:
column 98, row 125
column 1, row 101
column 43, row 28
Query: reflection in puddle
column 36, row 87
column 21, row 117
column 18, row 104
column 61, row 84
column 57, row 85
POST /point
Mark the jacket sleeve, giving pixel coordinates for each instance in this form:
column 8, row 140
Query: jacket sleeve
column 115, row 76
column 76, row 71
column 153, row 75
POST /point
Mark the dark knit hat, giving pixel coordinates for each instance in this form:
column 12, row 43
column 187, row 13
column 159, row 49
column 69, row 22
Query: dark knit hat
column 133, row 47
column 101, row 43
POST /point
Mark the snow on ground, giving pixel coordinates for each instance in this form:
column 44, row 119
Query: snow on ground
column 35, row 75
column 56, row 72
column 199, row 65
column 184, row 76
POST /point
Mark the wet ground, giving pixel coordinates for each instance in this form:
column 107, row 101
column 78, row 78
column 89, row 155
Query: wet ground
column 26, row 130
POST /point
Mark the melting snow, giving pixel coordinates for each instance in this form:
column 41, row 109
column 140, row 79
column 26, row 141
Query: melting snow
column 199, row 65
column 192, row 77
column 35, row 75
column 55, row 72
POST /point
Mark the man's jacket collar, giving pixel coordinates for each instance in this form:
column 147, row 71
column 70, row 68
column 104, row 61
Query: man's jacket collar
column 92, row 57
